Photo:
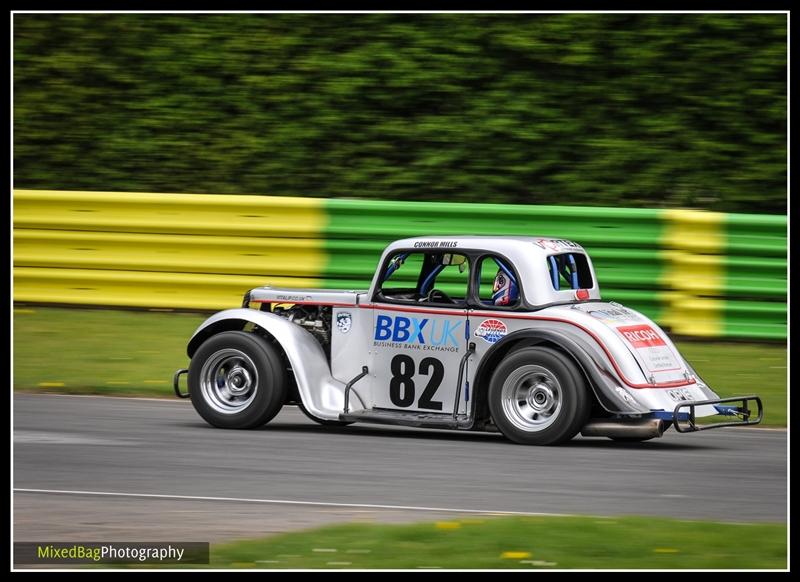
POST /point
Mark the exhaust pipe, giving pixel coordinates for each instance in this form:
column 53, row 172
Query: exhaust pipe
column 639, row 428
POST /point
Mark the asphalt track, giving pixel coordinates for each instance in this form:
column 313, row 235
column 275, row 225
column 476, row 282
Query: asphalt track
column 89, row 468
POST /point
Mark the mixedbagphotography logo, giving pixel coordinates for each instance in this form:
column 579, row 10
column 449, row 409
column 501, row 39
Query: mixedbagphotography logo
column 111, row 552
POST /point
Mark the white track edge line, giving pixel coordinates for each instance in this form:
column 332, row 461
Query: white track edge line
column 285, row 502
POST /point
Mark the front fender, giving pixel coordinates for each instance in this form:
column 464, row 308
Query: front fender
column 321, row 394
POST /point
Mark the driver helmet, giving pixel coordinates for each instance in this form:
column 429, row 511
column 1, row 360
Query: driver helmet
column 504, row 290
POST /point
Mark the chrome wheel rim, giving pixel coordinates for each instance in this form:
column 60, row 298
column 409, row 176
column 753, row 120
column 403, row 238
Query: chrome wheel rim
column 229, row 381
column 532, row 398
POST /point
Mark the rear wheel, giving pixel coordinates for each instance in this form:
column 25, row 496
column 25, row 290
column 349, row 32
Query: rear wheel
column 538, row 396
column 237, row 380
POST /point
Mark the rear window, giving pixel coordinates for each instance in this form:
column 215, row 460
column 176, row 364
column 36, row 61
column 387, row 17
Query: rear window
column 569, row 271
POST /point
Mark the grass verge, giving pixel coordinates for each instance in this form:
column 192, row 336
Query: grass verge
column 518, row 543
column 103, row 351
column 100, row 351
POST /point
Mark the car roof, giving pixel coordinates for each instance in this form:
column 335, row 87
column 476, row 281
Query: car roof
column 507, row 245
column 527, row 254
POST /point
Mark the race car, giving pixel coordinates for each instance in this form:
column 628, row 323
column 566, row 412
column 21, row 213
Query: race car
column 505, row 334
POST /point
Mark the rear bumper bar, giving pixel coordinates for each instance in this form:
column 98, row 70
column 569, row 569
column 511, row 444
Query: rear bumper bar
column 744, row 412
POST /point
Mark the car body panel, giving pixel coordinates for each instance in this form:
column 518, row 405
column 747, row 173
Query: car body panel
column 415, row 357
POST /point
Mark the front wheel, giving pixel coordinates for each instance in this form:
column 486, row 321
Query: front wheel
column 538, row 396
column 237, row 380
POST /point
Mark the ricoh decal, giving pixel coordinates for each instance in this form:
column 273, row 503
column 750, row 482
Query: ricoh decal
column 344, row 321
column 491, row 330
column 654, row 351
column 418, row 333
column 642, row 336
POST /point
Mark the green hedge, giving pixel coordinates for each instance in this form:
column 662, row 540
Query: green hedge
column 640, row 110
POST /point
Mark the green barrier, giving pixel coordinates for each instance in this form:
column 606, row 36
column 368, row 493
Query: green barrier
column 756, row 235
column 623, row 243
column 755, row 276
column 755, row 320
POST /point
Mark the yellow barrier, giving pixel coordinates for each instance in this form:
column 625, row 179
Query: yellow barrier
column 169, row 213
column 140, row 289
column 293, row 257
column 190, row 251
column 694, row 246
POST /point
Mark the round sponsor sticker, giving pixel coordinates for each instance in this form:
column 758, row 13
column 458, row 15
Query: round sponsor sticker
column 491, row 330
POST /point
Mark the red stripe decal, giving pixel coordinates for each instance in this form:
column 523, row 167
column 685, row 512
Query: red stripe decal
column 415, row 309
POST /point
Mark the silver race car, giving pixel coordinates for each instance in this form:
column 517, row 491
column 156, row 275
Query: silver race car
column 462, row 332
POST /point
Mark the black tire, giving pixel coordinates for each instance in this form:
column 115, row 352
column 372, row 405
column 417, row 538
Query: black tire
column 322, row 421
column 236, row 361
column 538, row 396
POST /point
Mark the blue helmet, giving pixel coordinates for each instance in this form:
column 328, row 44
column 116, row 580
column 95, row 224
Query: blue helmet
column 504, row 290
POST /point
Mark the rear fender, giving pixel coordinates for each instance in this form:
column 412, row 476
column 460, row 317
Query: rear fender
column 589, row 357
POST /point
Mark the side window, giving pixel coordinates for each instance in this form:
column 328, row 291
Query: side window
column 498, row 283
column 569, row 271
column 452, row 279
column 435, row 278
